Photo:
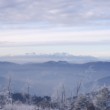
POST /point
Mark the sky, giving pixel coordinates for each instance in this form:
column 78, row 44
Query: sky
column 78, row 27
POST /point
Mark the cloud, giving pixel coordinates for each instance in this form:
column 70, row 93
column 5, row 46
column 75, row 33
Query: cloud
column 55, row 12
column 20, row 38
column 49, row 36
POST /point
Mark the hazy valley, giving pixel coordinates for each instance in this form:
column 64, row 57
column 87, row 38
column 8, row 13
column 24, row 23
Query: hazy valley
column 46, row 78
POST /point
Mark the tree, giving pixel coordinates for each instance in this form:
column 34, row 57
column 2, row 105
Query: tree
column 102, row 100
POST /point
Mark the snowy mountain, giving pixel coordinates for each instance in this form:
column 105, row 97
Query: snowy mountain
column 33, row 57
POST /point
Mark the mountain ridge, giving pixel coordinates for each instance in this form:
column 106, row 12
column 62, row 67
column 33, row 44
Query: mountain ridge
column 50, row 75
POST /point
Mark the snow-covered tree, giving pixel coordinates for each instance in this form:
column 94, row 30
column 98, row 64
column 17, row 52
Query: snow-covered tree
column 102, row 99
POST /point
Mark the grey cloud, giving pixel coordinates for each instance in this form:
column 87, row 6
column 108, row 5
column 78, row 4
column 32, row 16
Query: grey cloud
column 60, row 12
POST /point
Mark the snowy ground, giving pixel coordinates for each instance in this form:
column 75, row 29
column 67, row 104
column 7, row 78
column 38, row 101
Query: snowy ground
column 23, row 107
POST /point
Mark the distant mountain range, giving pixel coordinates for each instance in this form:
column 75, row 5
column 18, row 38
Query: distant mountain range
column 48, row 77
column 33, row 57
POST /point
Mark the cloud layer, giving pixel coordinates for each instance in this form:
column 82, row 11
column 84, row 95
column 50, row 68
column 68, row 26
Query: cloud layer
column 59, row 12
column 49, row 36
